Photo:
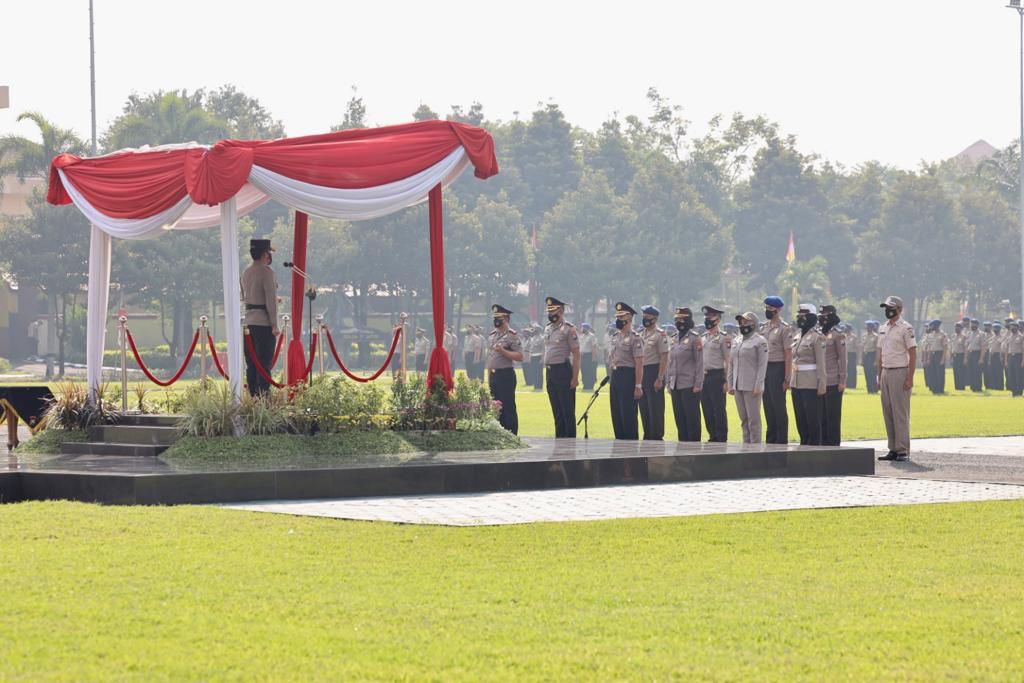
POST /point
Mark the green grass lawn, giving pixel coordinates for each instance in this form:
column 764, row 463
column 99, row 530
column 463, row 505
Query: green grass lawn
column 130, row 593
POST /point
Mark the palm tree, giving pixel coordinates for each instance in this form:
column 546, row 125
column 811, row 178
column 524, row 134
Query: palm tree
column 162, row 118
column 26, row 158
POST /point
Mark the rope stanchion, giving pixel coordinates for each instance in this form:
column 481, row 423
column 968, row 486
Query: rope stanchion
column 312, row 356
column 216, row 358
column 149, row 375
column 251, row 350
column 348, row 373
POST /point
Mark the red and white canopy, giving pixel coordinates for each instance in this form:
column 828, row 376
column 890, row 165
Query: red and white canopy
column 353, row 174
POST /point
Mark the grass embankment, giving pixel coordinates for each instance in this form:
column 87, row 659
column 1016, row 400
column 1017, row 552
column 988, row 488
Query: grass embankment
column 49, row 441
column 326, row 448
column 913, row 593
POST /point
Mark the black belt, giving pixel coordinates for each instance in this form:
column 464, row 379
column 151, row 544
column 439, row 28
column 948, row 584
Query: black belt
column 503, row 370
column 255, row 307
column 902, row 367
column 555, row 365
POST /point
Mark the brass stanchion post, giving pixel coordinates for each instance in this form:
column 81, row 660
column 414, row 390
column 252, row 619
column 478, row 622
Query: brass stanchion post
column 320, row 327
column 123, row 321
column 202, row 348
column 402, row 317
column 285, row 329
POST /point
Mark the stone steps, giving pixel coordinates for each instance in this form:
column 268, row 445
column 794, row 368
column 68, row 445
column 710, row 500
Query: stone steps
column 132, row 436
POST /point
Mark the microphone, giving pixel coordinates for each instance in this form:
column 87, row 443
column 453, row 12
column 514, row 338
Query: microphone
column 604, row 381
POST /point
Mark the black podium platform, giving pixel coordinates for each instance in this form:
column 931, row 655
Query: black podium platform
column 546, row 464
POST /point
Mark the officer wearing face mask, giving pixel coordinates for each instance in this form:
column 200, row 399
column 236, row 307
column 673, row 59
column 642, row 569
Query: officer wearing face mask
column 958, row 352
column 562, row 360
column 686, row 376
column 503, row 351
column 975, row 351
column 897, row 359
column 808, row 381
column 779, row 334
column 625, row 363
column 652, row 403
column 717, row 351
column 835, row 375
column 747, row 372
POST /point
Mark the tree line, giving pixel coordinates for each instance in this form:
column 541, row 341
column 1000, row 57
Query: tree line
column 640, row 209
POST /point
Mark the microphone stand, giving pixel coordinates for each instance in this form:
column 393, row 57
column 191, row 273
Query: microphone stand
column 310, row 294
column 585, row 417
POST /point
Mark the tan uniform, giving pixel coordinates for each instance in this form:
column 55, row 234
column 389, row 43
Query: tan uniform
column 895, row 339
column 747, row 370
column 625, row 351
column 508, row 340
column 655, row 344
column 686, row 362
column 779, row 338
column 259, row 288
column 809, row 371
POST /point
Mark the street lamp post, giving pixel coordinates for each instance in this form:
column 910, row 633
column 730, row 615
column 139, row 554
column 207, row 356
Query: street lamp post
column 1015, row 5
column 92, row 76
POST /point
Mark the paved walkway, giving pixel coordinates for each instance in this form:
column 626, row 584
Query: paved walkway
column 940, row 471
column 662, row 500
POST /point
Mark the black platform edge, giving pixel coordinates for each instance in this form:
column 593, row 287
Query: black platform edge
column 437, row 478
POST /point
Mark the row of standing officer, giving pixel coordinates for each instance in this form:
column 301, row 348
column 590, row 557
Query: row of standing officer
column 985, row 358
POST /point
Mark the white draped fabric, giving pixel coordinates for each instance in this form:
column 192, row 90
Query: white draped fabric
column 97, row 299
column 362, row 204
column 232, row 287
column 348, row 204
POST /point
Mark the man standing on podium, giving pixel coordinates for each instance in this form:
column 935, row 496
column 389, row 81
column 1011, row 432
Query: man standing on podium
column 259, row 292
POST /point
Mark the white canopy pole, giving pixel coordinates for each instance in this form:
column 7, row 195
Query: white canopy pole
column 98, row 298
column 232, row 281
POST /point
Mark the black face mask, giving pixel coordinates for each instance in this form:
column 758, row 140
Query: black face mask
column 552, row 317
column 497, row 322
column 890, row 313
column 710, row 322
column 806, row 322
column 746, row 330
column 827, row 321
column 769, row 314
column 620, row 323
column 684, row 326
column 647, row 322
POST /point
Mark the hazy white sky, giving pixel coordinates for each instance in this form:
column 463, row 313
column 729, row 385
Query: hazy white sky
column 893, row 80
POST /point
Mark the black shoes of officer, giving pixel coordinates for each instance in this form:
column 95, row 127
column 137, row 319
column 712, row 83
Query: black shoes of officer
column 893, row 455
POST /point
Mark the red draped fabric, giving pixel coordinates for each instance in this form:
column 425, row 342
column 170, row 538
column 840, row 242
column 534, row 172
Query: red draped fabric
column 296, row 354
column 440, row 364
column 139, row 184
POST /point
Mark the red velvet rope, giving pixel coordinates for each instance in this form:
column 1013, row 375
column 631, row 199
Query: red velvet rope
column 145, row 370
column 216, row 358
column 312, row 356
column 251, row 348
column 277, row 350
column 341, row 364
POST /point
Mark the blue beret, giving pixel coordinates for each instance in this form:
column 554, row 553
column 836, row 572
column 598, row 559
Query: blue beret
column 775, row 301
column 997, row 326
column 650, row 310
column 871, row 322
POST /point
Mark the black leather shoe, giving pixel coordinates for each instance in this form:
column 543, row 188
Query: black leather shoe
column 888, row 456
column 902, row 457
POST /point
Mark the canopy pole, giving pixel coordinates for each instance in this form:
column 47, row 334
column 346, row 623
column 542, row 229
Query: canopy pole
column 96, row 315
column 232, row 281
column 296, row 354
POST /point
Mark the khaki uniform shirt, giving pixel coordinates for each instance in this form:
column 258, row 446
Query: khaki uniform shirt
column 509, row 341
column 655, row 344
column 421, row 347
column 1015, row 344
column 870, row 344
column 625, row 350
column 995, row 343
column 853, row 345
column 809, row 361
column 259, row 287
column 835, row 358
column 588, row 341
column 895, row 341
column 717, row 346
column 975, row 340
column 958, row 344
column 686, row 362
column 749, row 363
column 537, row 345
column 560, row 340
column 780, row 339
column 451, row 343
